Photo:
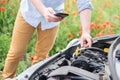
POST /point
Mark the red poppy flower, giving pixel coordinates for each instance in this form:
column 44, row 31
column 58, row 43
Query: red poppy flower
column 31, row 58
column 104, row 26
column 2, row 8
column 92, row 25
column 98, row 27
column 71, row 35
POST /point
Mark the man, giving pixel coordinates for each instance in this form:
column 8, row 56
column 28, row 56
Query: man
column 40, row 15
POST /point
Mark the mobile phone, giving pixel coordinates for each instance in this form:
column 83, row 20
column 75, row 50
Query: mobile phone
column 63, row 15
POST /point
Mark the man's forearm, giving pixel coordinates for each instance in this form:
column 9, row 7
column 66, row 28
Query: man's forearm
column 85, row 7
column 85, row 18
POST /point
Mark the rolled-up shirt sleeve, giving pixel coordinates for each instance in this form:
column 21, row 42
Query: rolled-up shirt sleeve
column 84, row 4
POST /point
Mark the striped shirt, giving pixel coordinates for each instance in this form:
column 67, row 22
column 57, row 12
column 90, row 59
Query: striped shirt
column 33, row 16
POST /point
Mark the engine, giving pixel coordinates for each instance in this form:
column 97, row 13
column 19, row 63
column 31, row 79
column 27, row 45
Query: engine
column 80, row 64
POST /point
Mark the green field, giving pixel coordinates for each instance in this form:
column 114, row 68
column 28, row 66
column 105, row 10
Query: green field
column 105, row 21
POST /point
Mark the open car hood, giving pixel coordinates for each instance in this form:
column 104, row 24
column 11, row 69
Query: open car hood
column 100, row 62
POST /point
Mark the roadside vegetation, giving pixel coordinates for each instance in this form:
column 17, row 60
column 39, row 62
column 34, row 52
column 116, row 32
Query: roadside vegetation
column 105, row 21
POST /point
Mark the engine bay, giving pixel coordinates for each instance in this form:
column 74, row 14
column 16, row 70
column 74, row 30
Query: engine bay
column 76, row 63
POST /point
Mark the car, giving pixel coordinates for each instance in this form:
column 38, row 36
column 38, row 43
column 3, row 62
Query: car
column 99, row 62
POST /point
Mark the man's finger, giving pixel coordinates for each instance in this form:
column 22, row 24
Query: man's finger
column 81, row 43
column 90, row 42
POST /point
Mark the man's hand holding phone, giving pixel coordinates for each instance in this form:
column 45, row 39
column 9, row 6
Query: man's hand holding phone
column 62, row 15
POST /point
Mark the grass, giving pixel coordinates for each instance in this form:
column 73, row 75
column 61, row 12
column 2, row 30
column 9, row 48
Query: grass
column 104, row 11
